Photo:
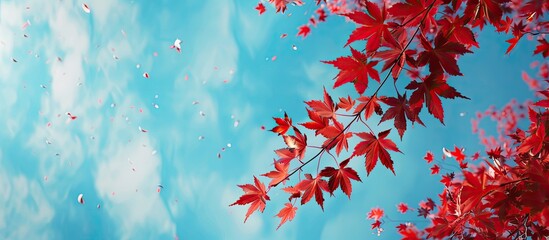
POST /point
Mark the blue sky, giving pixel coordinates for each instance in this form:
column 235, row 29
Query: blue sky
column 91, row 65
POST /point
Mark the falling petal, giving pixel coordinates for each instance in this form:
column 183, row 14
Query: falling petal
column 98, row 206
column 153, row 152
column 218, row 155
column 156, row 96
column 177, row 45
column 43, row 86
column 71, row 117
column 146, row 75
column 235, row 124
column 26, row 24
column 86, row 8
column 446, row 152
column 294, row 47
column 462, row 114
column 283, row 35
column 48, row 142
column 229, row 145
column 155, row 54
column 202, row 114
column 200, row 137
column 273, row 58
column 138, row 66
column 156, row 106
column 195, row 102
column 142, row 129
column 81, row 198
column 14, row 60
column 262, row 127
column 45, row 178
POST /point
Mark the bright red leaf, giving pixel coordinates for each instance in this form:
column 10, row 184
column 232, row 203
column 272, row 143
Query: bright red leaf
column 481, row 10
column 411, row 12
column 324, row 108
column 403, row 207
column 373, row 27
column 279, row 174
column 312, row 187
column 376, row 148
column 429, row 157
column 354, row 69
column 341, row 177
column 457, row 31
column 335, row 137
column 303, row 31
column 297, row 144
column 260, row 8
column 435, row 169
column 346, row 103
column 375, row 213
column 369, row 106
column 317, row 122
column 396, row 55
column 282, row 125
column 286, row 214
column 254, row 195
column 542, row 48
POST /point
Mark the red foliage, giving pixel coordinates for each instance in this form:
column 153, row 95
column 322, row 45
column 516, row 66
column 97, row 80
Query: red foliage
column 504, row 193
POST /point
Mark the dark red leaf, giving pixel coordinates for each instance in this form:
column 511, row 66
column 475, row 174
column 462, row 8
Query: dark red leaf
column 312, row 187
column 376, row 148
column 340, row 177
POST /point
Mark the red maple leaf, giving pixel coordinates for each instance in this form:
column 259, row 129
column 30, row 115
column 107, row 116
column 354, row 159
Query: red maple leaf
column 475, row 186
column 355, row 69
column 340, row 177
column 369, row 106
column 429, row 91
column 376, row 224
column 318, row 123
column 375, row 213
column 534, row 8
column 412, row 11
column 429, row 157
column 346, row 103
column 479, row 11
column 260, row 8
column 283, row 124
column 396, row 55
column 293, row 191
column 456, row 31
column 441, row 57
column 312, row 187
column 458, row 153
column 542, row 48
column 376, row 148
column 534, row 143
column 399, row 111
column 324, row 108
column 286, row 155
column 303, row 31
column 286, row 214
column 373, row 27
column 279, row 174
column 336, row 137
column 297, row 144
column 280, row 5
column 403, row 207
column 435, row 169
column 254, row 195
column 447, row 179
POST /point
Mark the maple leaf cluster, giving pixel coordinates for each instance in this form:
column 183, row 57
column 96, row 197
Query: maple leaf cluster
column 420, row 42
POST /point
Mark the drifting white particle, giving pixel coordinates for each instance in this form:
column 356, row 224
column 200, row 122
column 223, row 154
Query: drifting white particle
column 86, row 8
column 146, row 75
column 142, row 129
column 98, row 206
column 294, row 47
column 235, row 124
column 462, row 114
column 156, row 106
column 232, row 116
column 202, row 113
column 43, row 86
column 218, row 155
column 229, row 145
column 156, row 96
column 113, row 105
column 195, row 102
column 48, row 141
column 81, row 198
column 138, row 66
column 200, row 137
column 153, row 152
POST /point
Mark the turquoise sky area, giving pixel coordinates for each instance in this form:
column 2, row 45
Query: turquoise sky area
column 194, row 125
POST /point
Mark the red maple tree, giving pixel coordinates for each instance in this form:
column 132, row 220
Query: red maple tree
column 504, row 195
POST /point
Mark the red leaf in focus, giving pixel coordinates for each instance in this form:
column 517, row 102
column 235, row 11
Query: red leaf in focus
column 293, row 191
column 534, row 143
column 336, row 137
column 456, row 31
column 429, row 91
column 375, row 213
column 318, row 123
column 324, row 108
column 458, row 154
column 346, row 103
column 303, row 31
column 429, row 157
column 482, row 10
column 402, row 208
column 409, row 11
column 373, row 27
column 286, row 155
column 398, row 111
column 260, row 8
column 313, row 187
column 374, row 148
column 512, row 43
column 395, row 55
column 254, row 195
column 340, row 177
column 369, row 105
column 283, row 124
column 286, row 214
column 297, row 144
column 279, row 174
column 354, row 69
column 441, row 57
